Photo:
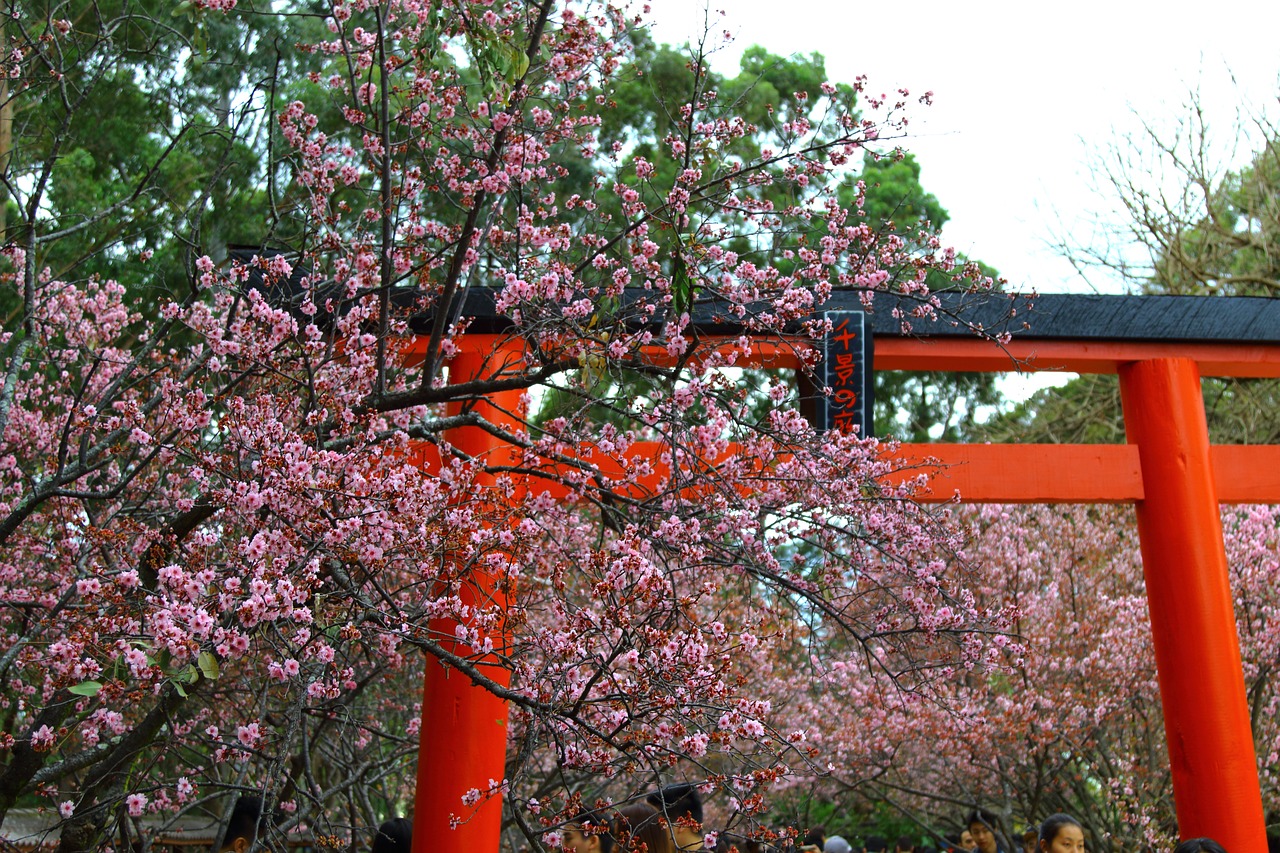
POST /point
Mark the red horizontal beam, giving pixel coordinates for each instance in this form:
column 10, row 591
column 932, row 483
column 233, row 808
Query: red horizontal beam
column 1080, row 473
column 975, row 355
column 979, row 356
column 1246, row 473
column 1026, row 473
column 990, row 473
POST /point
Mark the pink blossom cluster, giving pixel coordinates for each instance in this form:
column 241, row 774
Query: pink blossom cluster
column 1075, row 697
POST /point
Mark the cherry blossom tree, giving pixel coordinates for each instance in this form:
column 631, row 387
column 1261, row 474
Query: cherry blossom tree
column 1076, row 727
column 234, row 515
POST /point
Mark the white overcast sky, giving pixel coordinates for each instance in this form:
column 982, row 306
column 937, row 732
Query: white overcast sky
column 1022, row 92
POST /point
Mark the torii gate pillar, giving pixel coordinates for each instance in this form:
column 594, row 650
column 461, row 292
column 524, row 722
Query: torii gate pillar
column 1206, row 715
column 463, row 734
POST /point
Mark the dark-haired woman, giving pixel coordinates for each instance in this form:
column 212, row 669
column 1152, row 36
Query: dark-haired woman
column 640, row 828
column 1061, row 833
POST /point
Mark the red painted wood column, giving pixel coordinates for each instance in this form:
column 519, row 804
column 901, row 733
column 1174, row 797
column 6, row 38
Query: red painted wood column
column 463, row 738
column 1215, row 773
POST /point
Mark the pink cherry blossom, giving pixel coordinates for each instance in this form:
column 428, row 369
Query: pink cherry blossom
column 136, row 803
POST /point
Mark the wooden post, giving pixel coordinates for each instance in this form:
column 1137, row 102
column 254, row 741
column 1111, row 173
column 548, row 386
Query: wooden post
column 463, row 737
column 1206, row 717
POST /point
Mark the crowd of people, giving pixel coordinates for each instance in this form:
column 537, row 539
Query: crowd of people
column 671, row 821
column 1058, row 833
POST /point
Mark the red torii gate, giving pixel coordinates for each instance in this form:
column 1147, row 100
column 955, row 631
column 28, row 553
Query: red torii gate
column 1160, row 347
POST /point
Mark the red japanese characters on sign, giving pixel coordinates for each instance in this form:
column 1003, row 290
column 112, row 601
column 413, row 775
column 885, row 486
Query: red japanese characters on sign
column 845, row 374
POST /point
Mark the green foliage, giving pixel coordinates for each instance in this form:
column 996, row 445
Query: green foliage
column 169, row 115
column 1084, row 411
column 1087, row 410
column 933, row 406
column 895, row 196
column 1233, row 246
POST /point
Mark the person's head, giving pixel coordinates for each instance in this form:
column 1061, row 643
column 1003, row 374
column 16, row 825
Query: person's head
column 815, row 837
column 966, row 839
column 983, row 826
column 876, row 844
column 1199, row 845
column 589, row 832
column 394, row 836
column 836, row 844
column 681, row 806
column 1030, row 839
column 638, row 828
column 243, row 825
column 1061, row 833
column 904, row 844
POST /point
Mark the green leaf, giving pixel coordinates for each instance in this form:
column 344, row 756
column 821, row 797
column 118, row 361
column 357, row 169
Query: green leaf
column 208, row 665
column 510, row 61
column 86, row 688
column 520, row 66
column 501, row 58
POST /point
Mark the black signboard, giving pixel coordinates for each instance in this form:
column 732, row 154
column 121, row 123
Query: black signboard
column 846, row 371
